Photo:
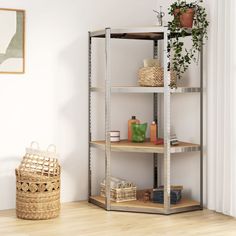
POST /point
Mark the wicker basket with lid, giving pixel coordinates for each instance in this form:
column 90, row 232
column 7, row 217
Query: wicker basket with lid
column 152, row 74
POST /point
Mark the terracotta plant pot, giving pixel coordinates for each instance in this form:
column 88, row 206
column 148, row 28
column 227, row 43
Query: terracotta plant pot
column 186, row 18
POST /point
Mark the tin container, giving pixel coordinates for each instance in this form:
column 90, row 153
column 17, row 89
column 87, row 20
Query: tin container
column 115, row 136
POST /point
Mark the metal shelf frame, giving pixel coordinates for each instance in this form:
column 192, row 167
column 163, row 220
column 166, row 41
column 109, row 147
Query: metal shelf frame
column 154, row 34
column 156, row 90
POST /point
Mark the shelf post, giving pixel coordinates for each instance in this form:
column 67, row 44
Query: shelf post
column 166, row 124
column 89, row 113
column 201, row 127
column 107, row 117
column 155, row 111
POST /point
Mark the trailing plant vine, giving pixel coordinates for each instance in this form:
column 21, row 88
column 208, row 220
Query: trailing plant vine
column 180, row 55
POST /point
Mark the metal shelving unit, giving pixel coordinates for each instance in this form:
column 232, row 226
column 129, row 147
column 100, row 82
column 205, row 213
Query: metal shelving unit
column 159, row 151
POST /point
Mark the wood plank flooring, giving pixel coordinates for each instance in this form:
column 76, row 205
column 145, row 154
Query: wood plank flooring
column 84, row 219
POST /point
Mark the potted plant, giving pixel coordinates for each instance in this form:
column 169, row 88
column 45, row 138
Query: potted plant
column 188, row 19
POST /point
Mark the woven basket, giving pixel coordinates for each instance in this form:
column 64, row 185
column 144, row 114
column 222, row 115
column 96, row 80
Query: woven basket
column 40, row 162
column 37, row 164
column 154, row 76
column 120, row 194
column 37, row 197
column 38, row 186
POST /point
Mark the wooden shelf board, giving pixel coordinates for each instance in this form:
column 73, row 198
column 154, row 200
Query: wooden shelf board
column 146, row 147
column 140, row 89
column 184, row 203
column 151, row 33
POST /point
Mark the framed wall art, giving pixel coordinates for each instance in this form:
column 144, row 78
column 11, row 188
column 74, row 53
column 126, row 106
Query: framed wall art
column 12, row 41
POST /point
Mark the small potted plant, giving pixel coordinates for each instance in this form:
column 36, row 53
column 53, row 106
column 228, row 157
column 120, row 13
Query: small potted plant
column 188, row 18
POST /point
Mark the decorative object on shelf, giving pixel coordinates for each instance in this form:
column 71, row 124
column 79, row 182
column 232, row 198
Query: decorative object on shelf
column 152, row 74
column 121, row 190
column 115, row 136
column 159, row 141
column 133, row 120
column 139, row 132
column 174, row 140
column 147, row 196
column 38, row 184
column 143, row 194
column 176, row 194
column 159, row 14
column 185, row 16
column 179, row 28
column 12, row 48
column 153, row 132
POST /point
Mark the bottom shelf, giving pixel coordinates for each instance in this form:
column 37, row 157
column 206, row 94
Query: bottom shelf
column 147, row 207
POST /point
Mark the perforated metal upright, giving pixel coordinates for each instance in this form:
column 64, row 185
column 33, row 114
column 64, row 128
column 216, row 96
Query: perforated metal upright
column 154, row 34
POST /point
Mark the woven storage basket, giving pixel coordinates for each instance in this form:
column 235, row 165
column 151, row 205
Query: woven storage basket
column 154, row 76
column 120, row 194
column 38, row 186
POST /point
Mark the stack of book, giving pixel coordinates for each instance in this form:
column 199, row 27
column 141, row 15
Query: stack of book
column 174, row 140
column 175, row 194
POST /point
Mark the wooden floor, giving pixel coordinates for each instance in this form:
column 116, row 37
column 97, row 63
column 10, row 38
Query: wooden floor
column 84, row 219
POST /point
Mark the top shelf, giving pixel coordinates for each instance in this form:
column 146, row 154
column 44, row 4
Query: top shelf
column 145, row 33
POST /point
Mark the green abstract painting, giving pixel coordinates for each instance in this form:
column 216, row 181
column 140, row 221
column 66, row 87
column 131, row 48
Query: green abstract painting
column 12, row 45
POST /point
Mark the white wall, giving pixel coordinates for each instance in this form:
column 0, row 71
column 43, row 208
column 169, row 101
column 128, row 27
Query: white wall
column 49, row 102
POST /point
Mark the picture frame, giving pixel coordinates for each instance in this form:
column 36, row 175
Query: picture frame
column 12, row 41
